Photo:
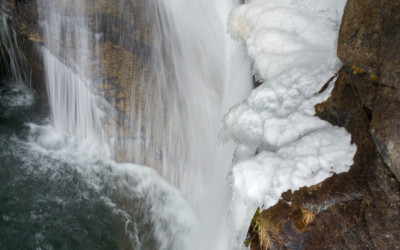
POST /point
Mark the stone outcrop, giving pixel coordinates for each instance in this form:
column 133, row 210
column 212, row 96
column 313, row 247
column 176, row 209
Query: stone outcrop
column 369, row 40
column 359, row 209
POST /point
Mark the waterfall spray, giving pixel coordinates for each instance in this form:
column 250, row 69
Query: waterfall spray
column 152, row 96
column 71, row 86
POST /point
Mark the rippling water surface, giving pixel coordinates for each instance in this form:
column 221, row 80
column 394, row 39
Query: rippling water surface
column 56, row 193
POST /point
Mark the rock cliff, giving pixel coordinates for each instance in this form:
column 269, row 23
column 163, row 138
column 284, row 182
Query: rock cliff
column 359, row 209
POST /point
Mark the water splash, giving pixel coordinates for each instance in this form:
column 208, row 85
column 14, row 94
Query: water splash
column 144, row 202
column 67, row 57
column 201, row 74
column 74, row 109
column 152, row 95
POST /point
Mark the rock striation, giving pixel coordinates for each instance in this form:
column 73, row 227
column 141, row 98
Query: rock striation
column 359, row 209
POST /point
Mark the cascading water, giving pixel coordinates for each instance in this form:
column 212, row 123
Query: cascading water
column 10, row 53
column 15, row 62
column 166, row 115
column 70, row 83
column 194, row 56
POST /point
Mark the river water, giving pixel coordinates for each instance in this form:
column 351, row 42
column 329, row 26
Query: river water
column 61, row 187
column 58, row 192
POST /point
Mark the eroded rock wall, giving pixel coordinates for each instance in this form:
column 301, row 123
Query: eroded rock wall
column 359, row 209
column 121, row 69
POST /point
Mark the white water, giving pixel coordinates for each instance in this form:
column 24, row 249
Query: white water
column 73, row 105
column 204, row 74
column 70, row 84
column 199, row 72
column 135, row 193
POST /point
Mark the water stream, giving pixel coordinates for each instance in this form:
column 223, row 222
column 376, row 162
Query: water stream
column 174, row 72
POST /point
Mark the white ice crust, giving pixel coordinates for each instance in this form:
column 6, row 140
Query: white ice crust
column 281, row 144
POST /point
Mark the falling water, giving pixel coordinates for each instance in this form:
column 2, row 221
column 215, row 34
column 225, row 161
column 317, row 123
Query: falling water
column 10, row 53
column 15, row 64
column 193, row 56
column 148, row 83
column 67, row 60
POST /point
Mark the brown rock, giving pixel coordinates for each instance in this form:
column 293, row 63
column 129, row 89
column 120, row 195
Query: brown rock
column 359, row 209
column 360, row 34
column 369, row 41
column 385, row 127
column 390, row 53
column 369, row 36
column 355, row 210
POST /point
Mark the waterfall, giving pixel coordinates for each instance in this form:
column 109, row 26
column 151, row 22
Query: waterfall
column 71, row 86
column 148, row 83
column 15, row 64
column 10, row 52
column 195, row 60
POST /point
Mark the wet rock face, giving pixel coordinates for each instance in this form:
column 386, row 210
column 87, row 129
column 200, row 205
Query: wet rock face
column 359, row 209
column 390, row 69
column 355, row 210
column 370, row 217
column 361, row 33
column 369, row 38
column 121, row 69
column 369, row 41
column 385, row 127
column 24, row 23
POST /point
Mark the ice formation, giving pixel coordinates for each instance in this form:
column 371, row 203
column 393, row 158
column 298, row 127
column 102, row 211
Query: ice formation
column 281, row 145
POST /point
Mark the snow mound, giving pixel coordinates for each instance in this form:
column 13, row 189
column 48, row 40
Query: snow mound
column 281, row 145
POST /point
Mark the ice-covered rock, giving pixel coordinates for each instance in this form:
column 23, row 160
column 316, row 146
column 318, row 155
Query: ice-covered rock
column 281, row 144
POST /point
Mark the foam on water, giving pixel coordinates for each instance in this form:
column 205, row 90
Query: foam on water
column 47, row 177
column 73, row 104
column 135, row 192
column 16, row 96
column 197, row 67
column 200, row 72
